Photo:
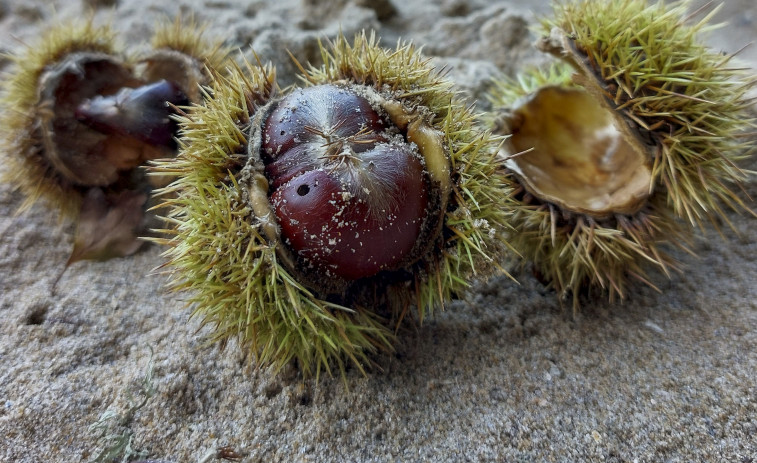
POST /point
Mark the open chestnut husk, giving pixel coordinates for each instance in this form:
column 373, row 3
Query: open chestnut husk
column 82, row 120
column 308, row 223
column 620, row 149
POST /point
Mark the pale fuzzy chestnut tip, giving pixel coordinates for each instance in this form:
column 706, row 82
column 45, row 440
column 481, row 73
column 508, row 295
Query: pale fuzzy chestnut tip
column 226, row 249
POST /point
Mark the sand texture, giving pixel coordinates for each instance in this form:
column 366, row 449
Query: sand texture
column 507, row 374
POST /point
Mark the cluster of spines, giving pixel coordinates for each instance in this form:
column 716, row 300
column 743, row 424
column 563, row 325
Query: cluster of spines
column 510, row 90
column 576, row 252
column 188, row 37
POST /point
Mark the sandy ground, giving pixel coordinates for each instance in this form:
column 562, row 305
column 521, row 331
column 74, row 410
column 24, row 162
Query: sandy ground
column 504, row 375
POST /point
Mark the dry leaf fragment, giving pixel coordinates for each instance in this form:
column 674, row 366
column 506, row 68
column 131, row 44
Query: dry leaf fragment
column 109, row 225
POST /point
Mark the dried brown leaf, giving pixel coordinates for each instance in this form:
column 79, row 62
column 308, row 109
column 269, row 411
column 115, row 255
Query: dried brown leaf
column 108, row 226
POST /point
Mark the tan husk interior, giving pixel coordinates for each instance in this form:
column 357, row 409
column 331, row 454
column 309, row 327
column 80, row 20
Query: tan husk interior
column 567, row 149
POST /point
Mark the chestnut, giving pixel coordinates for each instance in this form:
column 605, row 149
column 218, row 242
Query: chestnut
column 350, row 200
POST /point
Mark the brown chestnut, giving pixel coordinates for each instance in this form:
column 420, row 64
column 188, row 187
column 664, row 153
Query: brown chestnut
column 143, row 113
column 348, row 191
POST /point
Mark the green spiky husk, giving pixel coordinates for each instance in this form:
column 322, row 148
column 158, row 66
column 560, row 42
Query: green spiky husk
column 27, row 169
column 220, row 253
column 509, row 91
column 648, row 63
column 575, row 253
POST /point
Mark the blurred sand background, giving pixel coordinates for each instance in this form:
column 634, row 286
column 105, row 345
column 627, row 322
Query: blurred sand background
column 506, row 374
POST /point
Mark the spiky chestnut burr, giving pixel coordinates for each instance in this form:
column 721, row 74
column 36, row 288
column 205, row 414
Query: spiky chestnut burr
column 583, row 213
column 81, row 116
column 77, row 121
column 633, row 133
column 34, row 164
column 304, row 220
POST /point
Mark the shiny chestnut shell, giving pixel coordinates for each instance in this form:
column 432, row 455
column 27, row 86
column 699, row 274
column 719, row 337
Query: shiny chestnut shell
column 144, row 113
column 350, row 194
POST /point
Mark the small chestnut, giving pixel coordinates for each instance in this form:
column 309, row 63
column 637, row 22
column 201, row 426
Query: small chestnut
column 143, row 113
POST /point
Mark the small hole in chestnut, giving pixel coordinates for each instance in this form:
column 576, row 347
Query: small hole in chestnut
column 303, row 190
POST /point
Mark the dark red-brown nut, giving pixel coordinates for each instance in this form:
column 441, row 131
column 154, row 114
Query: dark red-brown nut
column 143, row 113
column 348, row 191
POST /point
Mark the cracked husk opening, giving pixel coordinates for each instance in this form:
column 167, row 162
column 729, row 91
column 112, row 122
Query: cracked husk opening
column 568, row 150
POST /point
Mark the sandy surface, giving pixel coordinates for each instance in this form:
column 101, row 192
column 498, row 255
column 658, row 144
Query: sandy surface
column 505, row 375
